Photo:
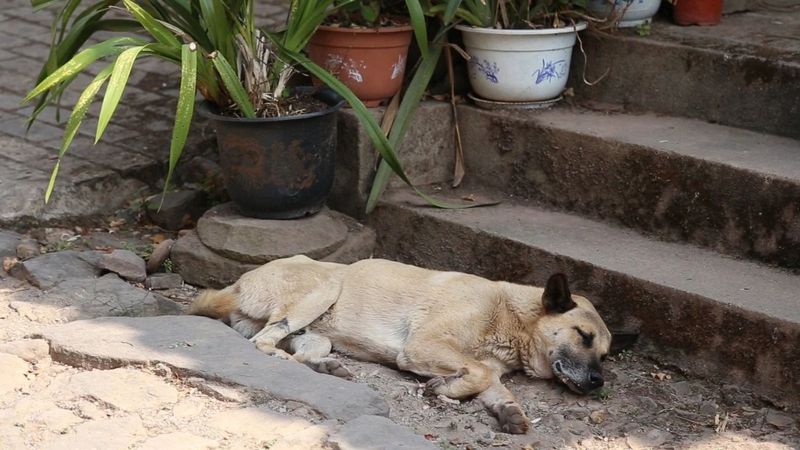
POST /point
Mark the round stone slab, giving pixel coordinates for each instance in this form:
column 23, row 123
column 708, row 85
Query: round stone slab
column 225, row 231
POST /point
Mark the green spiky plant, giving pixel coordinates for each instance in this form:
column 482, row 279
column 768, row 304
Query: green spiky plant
column 365, row 13
column 222, row 55
column 521, row 14
column 370, row 13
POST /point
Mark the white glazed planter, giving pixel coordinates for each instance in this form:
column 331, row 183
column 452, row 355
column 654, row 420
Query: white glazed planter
column 634, row 12
column 519, row 65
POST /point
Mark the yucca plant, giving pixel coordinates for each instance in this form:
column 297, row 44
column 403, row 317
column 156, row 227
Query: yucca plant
column 233, row 64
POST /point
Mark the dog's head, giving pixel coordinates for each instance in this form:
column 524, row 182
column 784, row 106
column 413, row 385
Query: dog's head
column 570, row 339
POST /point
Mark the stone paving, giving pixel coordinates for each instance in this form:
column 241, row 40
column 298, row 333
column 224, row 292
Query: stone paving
column 129, row 162
column 91, row 359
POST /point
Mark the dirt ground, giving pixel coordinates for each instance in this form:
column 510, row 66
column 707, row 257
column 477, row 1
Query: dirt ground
column 642, row 406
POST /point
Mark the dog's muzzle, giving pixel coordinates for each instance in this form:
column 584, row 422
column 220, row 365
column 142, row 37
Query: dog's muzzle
column 581, row 382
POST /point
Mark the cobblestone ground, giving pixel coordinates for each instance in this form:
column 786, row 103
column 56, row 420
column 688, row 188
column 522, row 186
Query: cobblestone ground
column 127, row 163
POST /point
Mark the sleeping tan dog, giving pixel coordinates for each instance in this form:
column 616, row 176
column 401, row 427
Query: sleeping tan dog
column 461, row 331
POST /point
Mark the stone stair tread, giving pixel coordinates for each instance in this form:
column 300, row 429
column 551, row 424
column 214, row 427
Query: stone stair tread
column 769, row 34
column 742, row 73
column 743, row 284
column 739, row 148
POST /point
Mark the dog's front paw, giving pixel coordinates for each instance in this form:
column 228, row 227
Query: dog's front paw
column 272, row 351
column 332, row 367
column 436, row 384
column 512, row 419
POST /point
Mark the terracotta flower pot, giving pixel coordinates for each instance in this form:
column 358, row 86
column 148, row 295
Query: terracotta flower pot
column 370, row 61
column 697, row 12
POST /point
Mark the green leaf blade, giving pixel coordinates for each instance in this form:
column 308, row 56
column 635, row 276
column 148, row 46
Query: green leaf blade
column 411, row 99
column 156, row 29
column 80, row 62
column 233, row 85
column 185, row 110
column 116, row 86
column 417, row 17
column 73, row 124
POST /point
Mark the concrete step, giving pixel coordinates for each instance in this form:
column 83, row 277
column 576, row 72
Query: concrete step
column 744, row 72
column 730, row 320
column 734, row 6
column 728, row 189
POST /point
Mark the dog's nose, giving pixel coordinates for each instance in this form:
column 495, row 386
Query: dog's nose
column 595, row 380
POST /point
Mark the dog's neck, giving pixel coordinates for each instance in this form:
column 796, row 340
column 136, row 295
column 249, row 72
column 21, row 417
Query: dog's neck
column 511, row 331
column 524, row 301
column 523, row 306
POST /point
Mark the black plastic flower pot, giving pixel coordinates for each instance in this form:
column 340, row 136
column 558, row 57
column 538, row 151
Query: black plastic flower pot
column 278, row 168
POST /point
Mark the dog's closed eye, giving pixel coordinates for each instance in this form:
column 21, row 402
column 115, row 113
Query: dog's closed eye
column 588, row 338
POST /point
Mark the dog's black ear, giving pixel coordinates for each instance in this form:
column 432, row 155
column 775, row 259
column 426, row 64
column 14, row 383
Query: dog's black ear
column 556, row 298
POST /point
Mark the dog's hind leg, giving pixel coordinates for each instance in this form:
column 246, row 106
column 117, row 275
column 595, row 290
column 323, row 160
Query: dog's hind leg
column 245, row 325
column 268, row 338
column 292, row 318
column 500, row 402
column 312, row 350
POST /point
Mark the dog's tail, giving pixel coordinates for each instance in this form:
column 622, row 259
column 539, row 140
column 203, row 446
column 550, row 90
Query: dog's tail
column 214, row 304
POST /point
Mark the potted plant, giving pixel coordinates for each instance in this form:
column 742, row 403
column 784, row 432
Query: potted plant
column 276, row 141
column 625, row 13
column 520, row 50
column 365, row 45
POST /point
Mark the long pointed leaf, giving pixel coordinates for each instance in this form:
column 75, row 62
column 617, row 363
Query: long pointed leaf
column 38, row 4
column 73, row 124
column 66, row 49
column 304, row 19
column 218, row 26
column 116, row 86
column 156, row 29
column 80, row 62
column 411, row 99
column 233, row 85
column 183, row 115
column 418, row 23
column 450, row 11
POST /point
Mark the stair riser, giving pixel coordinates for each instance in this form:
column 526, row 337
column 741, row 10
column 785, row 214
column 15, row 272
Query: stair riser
column 742, row 91
column 692, row 332
column 426, row 153
column 676, row 197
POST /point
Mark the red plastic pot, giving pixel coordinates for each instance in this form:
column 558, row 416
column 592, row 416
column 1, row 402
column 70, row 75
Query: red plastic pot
column 697, row 12
column 370, row 61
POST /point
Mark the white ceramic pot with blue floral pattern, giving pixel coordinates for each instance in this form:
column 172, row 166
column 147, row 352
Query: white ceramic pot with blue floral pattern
column 630, row 13
column 519, row 65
